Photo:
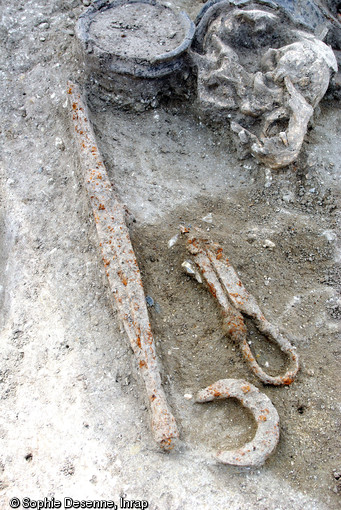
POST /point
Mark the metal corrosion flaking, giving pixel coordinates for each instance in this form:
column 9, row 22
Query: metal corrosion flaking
column 121, row 268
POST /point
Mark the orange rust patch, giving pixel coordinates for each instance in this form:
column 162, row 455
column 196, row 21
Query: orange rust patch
column 219, row 253
column 246, row 388
column 106, row 262
column 248, row 355
column 235, row 326
column 122, row 277
column 138, row 341
column 142, row 363
column 262, row 418
column 287, row 380
column 234, row 294
column 212, row 289
column 167, row 443
column 101, row 207
column 149, row 336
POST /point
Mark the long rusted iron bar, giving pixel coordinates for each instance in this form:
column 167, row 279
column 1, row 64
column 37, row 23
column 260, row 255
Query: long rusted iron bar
column 225, row 285
column 255, row 452
column 121, row 268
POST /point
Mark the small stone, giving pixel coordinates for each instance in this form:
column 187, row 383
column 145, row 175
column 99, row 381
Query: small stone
column 288, row 198
column 251, row 237
column 269, row 244
column 243, row 136
column 149, row 301
column 86, row 3
column 208, row 218
column 188, row 396
column 268, row 178
column 191, row 270
column 59, row 144
column 173, row 241
column 329, row 235
column 189, row 267
column 44, row 25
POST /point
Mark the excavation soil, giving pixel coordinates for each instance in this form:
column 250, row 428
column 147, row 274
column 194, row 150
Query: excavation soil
column 74, row 420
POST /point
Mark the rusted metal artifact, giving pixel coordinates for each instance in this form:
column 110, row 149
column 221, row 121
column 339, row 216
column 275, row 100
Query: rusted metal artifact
column 121, row 268
column 225, row 285
column 254, row 453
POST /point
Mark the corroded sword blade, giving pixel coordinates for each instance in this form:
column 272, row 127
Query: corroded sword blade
column 121, row 268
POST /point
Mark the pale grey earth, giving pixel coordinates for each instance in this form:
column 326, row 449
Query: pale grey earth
column 74, row 421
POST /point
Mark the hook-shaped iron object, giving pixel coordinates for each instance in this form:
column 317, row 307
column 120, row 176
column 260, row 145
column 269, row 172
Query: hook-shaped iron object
column 255, row 452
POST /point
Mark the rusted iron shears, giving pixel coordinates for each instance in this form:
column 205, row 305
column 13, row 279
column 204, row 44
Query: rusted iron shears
column 225, row 285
